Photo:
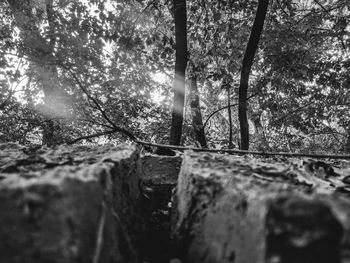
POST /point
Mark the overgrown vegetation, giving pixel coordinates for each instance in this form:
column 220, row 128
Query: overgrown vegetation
column 77, row 68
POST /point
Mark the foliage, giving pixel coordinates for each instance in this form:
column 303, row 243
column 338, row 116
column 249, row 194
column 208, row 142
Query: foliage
column 111, row 51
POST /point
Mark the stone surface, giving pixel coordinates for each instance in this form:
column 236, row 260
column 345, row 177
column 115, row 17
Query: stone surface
column 160, row 169
column 105, row 204
column 69, row 204
column 159, row 177
column 242, row 210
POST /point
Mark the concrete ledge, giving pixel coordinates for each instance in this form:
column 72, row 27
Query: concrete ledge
column 69, row 204
column 237, row 209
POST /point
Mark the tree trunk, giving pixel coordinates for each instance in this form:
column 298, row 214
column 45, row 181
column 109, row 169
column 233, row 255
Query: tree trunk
column 347, row 143
column 197, row 121
column 180, row 68
column 41, row 53
column 230, row 144
column 263, row 144
column 246, row 67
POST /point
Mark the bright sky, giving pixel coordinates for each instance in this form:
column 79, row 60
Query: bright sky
column 161, row 78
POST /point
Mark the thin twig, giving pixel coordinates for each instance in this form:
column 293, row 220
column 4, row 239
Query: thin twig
column 222, row 108
column 242, row 152
column 216, row 111
column 91, row 98
column 282, row 9
column 292, row 112
column 324, row 9
column 92, row 136
column 142, row 11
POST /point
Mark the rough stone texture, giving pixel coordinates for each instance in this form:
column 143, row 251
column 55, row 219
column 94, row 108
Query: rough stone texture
column 239, row 209
column 69, row 204
column 88, row 204
column 160, row 169
column 159, row 177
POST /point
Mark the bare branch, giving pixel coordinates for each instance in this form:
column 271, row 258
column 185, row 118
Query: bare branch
column 92, row 136
column 91, row 98
column 225, row 107
column 292, row 112
column 287, row 154
column 216, row 111
column 324, row 9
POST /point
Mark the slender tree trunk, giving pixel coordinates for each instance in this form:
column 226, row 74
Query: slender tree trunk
column 52, row 105
column 53, row 98
column 263, row 144
column 347, row 143
column 40, row 52
column 230, row 136
column 246, row 67
column 180, row 17
column 197, row 121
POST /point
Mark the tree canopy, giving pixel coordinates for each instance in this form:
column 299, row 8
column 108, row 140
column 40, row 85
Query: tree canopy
column 105, row 71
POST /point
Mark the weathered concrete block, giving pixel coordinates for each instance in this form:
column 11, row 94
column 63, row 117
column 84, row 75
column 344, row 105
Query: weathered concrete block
column 237, row 209
column 69, row 204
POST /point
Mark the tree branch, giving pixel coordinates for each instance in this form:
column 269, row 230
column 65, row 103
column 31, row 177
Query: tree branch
column 103, row 113
column 216, row 111
column 324, row 9
column 287, row 154
column 91, row 136
column 292, row 112
column 225, row 107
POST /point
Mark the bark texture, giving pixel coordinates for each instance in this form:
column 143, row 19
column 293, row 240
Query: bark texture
column 230, row 135
column 197, row 120
column 180, row 16
column 246, row 67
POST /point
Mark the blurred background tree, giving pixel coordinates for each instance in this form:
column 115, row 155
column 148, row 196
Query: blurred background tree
column 75, row 68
